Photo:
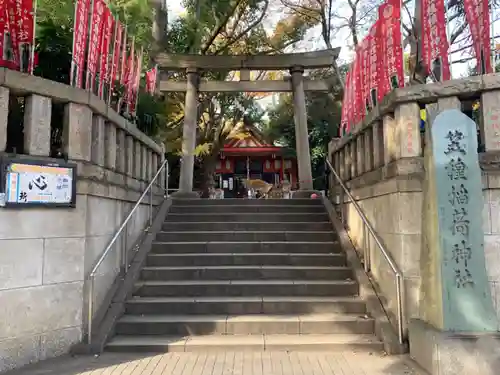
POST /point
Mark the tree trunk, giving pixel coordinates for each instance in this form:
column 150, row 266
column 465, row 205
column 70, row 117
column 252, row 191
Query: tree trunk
column 209, row 162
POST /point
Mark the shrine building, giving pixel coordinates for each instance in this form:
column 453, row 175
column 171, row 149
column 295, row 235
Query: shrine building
column 250, row 156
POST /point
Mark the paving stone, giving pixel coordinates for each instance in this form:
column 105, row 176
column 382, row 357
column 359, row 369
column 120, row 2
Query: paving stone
column 226, row 363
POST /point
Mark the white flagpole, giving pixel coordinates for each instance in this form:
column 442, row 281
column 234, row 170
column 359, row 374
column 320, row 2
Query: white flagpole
column 74, row 68
column 448, row 33
column 90, row 84
column 138, row 79
column 122, row 63
column 112, row 73
column 493, row 37
column 31, row 66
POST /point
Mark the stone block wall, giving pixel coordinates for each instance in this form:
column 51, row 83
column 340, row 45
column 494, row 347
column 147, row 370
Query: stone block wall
column 491, row 223
column 381, row 163
column 47, row 253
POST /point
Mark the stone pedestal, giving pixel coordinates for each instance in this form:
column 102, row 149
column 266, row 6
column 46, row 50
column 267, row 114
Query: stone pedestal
column 455, row 290
column 110, row 149
column 98, row 140
column 189, row 133
column 77, row 132
column 453, row 353
column 37, row 115
column 301, row 134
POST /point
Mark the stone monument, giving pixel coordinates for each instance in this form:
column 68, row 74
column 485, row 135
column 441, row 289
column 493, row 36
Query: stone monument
column 456, row 307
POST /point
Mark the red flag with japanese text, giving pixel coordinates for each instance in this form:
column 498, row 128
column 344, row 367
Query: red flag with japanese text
column 136, row 84
column 151, row 80
column 117, row 50
column 391, row 51
column 478, row 18
column 96, row 28
column 129, row 75
column 434, row 40
column 107, row 35
column 373, row 64
column 124, row 61
column 80, row 32
column 4, row 16
column 24, row 34
column 10, row 41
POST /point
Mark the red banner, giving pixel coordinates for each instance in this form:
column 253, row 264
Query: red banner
column 117, row 49
column 11, row 41
column 478, row 18
column 151, row 80
column 80, row 32
column 107, row 35
column 95, row 42
column 124, row 64
column 391, row 51
column 434, row 40
column 374, row 63
column 25, row 31
column 4, row 16
column 135, row 84
column 129, row 75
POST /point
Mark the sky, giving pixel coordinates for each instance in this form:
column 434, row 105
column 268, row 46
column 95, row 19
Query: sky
column 312, row 41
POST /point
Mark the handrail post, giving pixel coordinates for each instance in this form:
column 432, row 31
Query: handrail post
column 150, row 208
column 393, row 266
column 123, row 230
column 90, row 309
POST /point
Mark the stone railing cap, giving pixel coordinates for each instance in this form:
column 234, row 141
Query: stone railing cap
column 465, row 88
column 24, row 84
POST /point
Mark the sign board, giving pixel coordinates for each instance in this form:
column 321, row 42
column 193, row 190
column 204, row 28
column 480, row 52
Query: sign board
column 466, row 297
column 28, row 182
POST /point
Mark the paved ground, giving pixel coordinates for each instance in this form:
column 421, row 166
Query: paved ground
column 250, row 363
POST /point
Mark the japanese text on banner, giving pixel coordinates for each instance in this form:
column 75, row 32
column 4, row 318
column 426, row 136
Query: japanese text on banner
column 80, row 33
column 434, row 40
column 94, row 42
column 392, row 74
column 107, row 35
column 477, row 15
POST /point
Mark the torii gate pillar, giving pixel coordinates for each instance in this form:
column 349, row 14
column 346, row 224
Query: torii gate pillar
column 189, row 134
column 301, row 133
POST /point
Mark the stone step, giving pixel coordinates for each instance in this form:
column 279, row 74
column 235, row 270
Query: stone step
column 245, row 273
column 246, row 202
column 254, row 324
column 321, row 342
column 248, row 217
column 242, row 259
column 228, row 288
column 244, row 305
column 278, row 208
column 249, row 226
column 245, row 236
column 329, row 247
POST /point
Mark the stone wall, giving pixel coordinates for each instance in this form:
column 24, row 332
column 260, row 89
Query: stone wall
column 47, row 253
column 491, row 223
column 381, row 162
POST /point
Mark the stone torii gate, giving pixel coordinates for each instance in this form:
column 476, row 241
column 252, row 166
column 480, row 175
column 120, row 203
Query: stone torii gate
column 193, row 65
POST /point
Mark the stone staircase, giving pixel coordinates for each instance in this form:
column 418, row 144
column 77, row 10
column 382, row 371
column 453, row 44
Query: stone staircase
column 245, row 275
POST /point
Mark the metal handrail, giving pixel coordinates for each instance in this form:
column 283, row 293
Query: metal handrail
column 123, row 228
column 392, row 264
